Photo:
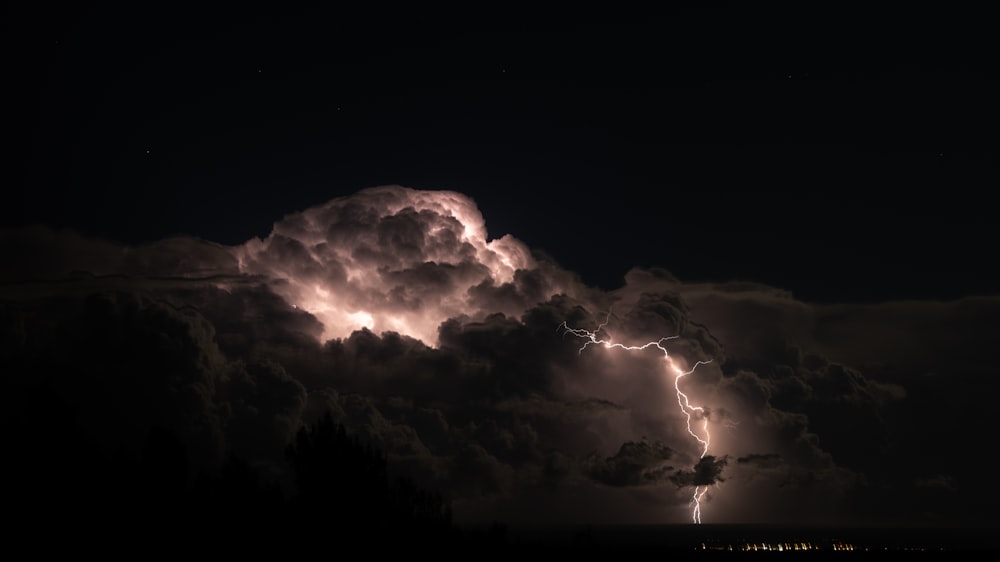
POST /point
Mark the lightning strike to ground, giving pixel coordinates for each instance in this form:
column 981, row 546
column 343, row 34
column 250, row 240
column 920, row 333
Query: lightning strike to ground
column 591, row 338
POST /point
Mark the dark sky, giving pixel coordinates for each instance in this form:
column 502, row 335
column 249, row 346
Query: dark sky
column 803, row 197
column 839, row 156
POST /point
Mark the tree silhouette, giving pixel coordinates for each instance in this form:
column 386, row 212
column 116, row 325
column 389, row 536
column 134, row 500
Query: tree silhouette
column 342, row 485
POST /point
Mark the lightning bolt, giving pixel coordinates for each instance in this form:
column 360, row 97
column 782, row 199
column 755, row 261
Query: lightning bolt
column 591, row 338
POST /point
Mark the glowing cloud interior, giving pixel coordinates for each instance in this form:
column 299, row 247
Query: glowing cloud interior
column 387, row 259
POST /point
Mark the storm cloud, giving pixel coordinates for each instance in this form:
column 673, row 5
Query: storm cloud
column 393, row 312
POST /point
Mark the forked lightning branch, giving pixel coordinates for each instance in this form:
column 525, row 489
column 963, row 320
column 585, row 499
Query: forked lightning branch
column 689, row 410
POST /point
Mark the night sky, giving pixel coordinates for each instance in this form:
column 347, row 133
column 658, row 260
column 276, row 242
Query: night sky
column 804, row 198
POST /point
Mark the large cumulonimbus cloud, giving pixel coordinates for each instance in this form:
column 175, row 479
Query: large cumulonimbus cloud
column 393, row 311
column 397, row 259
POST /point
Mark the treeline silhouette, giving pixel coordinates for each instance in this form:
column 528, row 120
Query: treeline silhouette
column 346, row 481
column 65, row 493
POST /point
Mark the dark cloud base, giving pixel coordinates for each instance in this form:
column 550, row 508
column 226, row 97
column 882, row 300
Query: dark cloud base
column 122, row 364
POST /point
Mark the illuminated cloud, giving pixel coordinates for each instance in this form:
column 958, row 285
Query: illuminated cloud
column 396, row 259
